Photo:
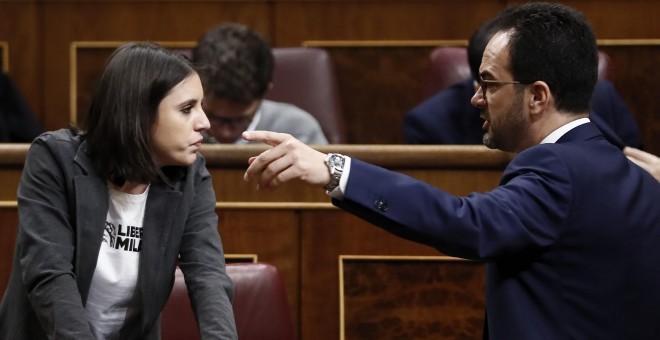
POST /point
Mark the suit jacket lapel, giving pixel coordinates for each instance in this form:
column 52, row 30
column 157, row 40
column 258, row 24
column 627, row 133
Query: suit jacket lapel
column 159, row 215
column 91, row 210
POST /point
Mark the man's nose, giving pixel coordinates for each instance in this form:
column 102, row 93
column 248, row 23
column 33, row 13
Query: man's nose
column 478, row 99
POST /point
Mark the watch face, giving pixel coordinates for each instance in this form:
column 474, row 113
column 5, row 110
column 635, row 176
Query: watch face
column 337, row 161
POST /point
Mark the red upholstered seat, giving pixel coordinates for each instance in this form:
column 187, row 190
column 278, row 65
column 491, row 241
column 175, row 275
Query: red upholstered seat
column 306, row 78
column 260, row 306
column 177, row 320
column 449, row 65
column 605, row 67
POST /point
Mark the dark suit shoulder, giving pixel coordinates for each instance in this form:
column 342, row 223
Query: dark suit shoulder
column 62, row 143
column 608, row 105
column 63, row 138
column 447, row 117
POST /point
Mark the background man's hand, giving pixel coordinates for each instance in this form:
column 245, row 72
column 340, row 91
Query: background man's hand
column 645, row 160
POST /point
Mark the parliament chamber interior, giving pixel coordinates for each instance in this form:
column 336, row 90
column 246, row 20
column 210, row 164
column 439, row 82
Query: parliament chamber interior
column 342, row 278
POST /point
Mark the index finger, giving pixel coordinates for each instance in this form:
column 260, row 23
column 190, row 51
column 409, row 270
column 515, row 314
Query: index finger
column 269, row 137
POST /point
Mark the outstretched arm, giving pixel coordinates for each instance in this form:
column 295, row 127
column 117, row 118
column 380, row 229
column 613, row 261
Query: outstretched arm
column 287, row 159
column 645, row 160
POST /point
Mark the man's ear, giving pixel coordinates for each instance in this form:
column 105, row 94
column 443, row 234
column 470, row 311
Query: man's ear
column 540, row 97
column 270, row 86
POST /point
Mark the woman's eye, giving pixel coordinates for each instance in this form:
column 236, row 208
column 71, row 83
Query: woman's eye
column 186, row 109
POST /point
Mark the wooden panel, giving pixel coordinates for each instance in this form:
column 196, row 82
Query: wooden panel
column 327, row 235
column 241, row 258
column 87, row 59
column 87, row 62
column 456, row 168
column 298, row 21
column 275, row 242
column 405, row 297
column 378, row 85
column 4, row 57
column 124, row 21
column 8, row 229
column 12, row 157
column 19, row 28
column 615, row 19
column 9, row 179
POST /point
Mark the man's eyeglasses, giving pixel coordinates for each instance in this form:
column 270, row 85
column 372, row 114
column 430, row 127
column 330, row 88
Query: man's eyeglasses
column 483, row 84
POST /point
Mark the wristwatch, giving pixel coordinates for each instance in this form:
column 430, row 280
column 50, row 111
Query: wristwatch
column 335, row 164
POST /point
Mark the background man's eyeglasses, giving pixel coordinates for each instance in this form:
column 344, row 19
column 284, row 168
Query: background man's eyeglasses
column 234, row 122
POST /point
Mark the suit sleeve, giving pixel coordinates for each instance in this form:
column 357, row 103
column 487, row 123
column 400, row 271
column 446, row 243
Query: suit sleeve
column 524, row 214
column 202, row 262
column 46, row 241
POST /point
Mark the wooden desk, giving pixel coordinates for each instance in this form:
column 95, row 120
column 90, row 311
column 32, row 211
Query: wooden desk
column 344, row 277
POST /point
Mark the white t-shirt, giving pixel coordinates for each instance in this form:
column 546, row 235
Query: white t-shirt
column 112, row 300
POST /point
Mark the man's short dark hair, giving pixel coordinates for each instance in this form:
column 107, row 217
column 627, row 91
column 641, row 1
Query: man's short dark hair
column 234, row 62
column 124, row 110
column 555, row 44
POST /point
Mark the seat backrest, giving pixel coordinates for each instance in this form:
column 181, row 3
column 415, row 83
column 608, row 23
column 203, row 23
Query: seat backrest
column 260, row 306
column 605, row 67
column 177, row 320
column 449, row 65
column 306, row 78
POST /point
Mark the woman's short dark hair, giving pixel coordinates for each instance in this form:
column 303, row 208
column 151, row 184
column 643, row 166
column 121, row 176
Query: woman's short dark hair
column 124, row 110
column 555, row 44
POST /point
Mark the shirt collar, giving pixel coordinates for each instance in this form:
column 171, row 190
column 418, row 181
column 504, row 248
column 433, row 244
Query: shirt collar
column 554, row 136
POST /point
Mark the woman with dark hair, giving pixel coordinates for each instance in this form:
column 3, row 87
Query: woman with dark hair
column 107, row 214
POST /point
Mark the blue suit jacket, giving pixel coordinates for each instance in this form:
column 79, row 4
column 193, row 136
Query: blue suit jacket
column 449, row 118
column 570, row 237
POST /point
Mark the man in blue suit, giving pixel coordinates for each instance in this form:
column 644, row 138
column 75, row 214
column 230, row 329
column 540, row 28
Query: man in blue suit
column 571, row 235
column 448, row 117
